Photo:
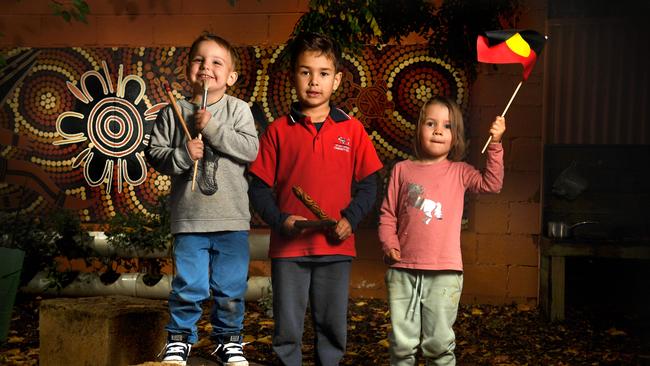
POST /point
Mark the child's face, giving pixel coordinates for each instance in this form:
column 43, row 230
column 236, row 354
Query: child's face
column 435, row 133
column 211, row 63
column 315, row 79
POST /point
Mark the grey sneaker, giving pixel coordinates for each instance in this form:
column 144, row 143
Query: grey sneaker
column 230, row 351
column 176, row 350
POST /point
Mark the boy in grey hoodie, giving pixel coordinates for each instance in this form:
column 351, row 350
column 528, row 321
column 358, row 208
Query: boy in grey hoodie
column 211, row 223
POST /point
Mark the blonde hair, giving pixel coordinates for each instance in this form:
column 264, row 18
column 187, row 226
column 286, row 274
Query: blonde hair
column 458, row 145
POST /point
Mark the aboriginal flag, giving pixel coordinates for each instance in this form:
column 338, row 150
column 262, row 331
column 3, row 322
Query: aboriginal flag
column 509, row 47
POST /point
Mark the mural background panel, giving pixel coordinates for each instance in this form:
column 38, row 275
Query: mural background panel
column 74, row 121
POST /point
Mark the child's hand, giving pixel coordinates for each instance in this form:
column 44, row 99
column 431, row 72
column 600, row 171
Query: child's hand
column 342, row 230
column 392, row 256
column 288, row 225
column 195, row 147
column 498, row 128
column 201, row 118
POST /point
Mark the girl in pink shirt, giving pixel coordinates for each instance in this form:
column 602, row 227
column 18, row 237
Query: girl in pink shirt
column 419, row 229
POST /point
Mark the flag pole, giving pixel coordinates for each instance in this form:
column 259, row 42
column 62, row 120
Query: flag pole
column 503, row 114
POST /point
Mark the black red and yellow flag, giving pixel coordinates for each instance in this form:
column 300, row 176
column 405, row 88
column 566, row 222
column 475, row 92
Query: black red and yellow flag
column 509, row 47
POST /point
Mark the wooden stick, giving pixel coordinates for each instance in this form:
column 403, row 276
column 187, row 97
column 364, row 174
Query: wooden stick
column 172, row 101
column 504, row 113
column 196, row 168
column 204, row 105
column 310, row 203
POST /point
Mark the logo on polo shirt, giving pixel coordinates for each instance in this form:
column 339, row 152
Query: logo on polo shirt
column 342, row 144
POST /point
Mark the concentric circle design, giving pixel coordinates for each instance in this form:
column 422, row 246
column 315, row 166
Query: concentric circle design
column 115, row 127
column 413, row 80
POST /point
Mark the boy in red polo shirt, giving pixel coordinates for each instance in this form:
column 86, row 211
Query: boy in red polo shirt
column 321, row 149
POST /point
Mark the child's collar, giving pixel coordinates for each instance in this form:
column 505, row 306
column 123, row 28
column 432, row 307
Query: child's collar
column 336, row 114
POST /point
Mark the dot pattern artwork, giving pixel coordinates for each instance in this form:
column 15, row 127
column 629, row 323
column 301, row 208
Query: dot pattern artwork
column 74, row 122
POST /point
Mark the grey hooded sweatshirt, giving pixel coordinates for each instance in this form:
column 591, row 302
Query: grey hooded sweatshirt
column 220, row 199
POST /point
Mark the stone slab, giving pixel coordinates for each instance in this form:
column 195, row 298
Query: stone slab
column 98, row 331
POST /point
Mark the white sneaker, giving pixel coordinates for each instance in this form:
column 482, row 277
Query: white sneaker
column 176, row 350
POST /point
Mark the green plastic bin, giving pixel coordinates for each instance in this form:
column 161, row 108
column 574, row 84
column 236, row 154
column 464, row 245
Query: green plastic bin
column 11, row 263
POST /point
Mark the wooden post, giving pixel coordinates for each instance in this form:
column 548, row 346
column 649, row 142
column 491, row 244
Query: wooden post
column 557, row 288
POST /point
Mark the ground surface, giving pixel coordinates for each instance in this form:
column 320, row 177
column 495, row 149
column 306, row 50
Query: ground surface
column 486, row 335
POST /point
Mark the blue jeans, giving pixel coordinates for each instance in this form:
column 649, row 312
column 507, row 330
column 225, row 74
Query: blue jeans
column 209, row 261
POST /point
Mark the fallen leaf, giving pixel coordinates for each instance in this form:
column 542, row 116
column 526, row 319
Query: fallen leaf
column 265, row 340
column 615, row 332
column 15, row 339
column 249, row 338
column 524, row 307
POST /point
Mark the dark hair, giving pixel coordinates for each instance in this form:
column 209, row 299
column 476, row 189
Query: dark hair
column 206, row 36
column 308, row 41
column 458, row 146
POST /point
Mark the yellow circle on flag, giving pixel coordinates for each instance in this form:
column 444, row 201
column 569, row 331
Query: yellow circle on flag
column 518, row 45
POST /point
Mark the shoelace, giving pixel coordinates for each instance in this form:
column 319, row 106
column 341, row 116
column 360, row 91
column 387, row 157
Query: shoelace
column 231, row 349
column 174, row 348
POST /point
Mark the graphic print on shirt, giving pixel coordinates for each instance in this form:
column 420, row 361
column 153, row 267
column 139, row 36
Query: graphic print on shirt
column 342, row 144
column 417, row 199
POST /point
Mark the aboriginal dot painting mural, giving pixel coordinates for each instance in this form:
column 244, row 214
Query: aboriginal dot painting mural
column 74, row 122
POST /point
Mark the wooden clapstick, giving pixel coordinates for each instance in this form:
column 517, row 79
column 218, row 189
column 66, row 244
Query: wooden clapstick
column 179, row 115
column 310, row 203
column 314, row 224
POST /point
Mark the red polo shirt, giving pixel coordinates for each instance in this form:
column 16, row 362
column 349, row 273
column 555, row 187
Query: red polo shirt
column 324, row 164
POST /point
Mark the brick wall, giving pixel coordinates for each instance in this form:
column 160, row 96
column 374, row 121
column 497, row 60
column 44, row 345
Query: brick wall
column 500, row 247
column 500, row 244
column 149, row 23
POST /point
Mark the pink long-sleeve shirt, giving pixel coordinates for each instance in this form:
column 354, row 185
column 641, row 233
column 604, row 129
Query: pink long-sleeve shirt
column 422, row 211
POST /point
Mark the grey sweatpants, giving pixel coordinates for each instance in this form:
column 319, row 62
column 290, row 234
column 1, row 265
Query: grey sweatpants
column 325, row 286
column 423, row 309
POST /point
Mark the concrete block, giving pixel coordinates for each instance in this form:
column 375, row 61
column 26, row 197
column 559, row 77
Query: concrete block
column 468, row 246
column 526, row 155
column 524, row 121
column 485, row 283
column 237, row 29
column 136, row 8
column 522, row 282
column 118, row 30
column 490, row 217
column 281, row 26
column 524, row 218
column 520, row 187
column 97, row 331
column 507, row 249
column 53, row 31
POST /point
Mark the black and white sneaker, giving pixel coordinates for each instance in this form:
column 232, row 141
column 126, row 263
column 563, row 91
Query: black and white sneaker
column 230, row 351
column 176, row 350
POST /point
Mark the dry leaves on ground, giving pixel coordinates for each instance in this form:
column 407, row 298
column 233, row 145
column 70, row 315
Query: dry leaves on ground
column 486, row 335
